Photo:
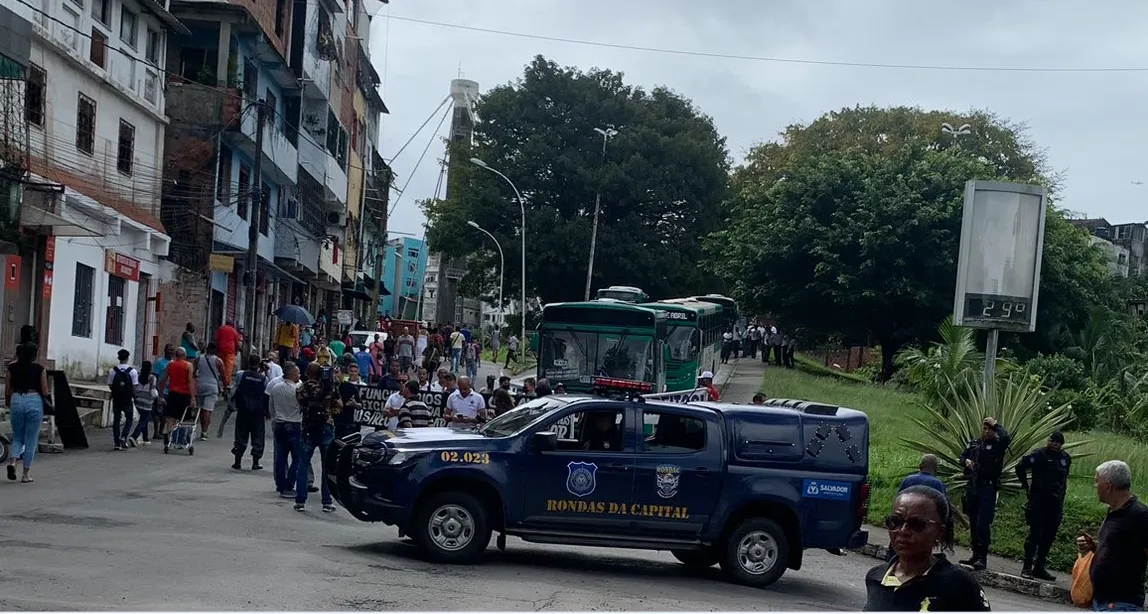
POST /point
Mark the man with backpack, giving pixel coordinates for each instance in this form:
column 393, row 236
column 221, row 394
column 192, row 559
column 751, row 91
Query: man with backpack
column 251, row 413
column 122, row 380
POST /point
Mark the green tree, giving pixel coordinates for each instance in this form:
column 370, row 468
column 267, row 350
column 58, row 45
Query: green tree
column 663, row 186
column 852, row 224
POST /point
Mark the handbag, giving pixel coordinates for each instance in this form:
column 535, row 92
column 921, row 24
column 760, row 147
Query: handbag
column 1082, row 581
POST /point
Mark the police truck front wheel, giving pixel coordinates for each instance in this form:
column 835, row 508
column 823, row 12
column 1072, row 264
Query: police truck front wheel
column 756, row 552
column 452, row 527
column 696, row 559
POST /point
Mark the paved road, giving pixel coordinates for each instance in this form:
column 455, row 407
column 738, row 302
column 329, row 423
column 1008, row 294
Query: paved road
column 143, row 531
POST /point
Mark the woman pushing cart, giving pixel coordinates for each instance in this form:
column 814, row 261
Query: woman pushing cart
column 180, row 409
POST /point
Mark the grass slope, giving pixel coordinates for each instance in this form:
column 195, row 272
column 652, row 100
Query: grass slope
column 890, row 411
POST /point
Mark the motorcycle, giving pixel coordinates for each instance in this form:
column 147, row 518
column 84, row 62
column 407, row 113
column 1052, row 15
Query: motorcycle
column 5, row 447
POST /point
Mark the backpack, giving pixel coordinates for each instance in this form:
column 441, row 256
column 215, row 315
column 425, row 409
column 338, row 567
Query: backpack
column 122, row 389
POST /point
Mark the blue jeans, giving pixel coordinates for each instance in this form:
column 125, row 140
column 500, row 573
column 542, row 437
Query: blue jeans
column 27, row 416
column 287, row 439
column 308, row 450
column 1115, row 607
column 472, row 371
column 141, row 428
column 127, row 412
column 455, row 357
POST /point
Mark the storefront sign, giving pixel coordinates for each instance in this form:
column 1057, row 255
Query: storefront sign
column 121, row 266
column 221, row 263
column 48, row 279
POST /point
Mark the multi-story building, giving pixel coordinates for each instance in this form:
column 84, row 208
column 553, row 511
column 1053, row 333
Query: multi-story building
column 1133, row 237
column 95, row 121
column 1120, row 255
column 234, row 164
column 403, row 273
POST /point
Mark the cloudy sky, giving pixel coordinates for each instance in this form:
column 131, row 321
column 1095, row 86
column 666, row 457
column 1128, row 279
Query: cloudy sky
column 1091, row 123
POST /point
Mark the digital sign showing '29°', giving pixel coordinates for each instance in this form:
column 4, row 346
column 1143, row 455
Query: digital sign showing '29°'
column 1002, row 243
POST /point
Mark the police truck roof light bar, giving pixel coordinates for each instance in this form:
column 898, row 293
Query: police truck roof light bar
column 612, row 383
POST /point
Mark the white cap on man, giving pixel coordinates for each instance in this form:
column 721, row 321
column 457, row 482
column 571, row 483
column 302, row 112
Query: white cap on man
column 707, row 375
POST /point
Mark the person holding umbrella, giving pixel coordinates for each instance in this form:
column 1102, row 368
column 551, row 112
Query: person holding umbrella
column 287, row 337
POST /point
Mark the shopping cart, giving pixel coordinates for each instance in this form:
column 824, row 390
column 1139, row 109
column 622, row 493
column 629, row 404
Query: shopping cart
column 182, row 435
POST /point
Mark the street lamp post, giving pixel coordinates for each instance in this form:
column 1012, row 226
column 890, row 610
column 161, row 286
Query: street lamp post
column 948, row 129
column 501, row 270
column 606, row 134
column 522, row 207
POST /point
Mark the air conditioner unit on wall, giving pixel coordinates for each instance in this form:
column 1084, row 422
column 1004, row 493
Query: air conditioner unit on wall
column 337, row 219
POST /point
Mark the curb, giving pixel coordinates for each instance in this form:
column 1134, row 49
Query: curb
column 995, row 579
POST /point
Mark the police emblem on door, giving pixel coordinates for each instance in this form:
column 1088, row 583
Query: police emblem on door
column 581, row 478
column 668, row 477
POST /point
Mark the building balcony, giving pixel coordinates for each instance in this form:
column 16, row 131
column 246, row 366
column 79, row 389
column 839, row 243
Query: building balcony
column 322, row 166
column 280, row 157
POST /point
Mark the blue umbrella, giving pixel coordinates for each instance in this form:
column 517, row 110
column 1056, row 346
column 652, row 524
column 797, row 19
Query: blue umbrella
column 295, row 315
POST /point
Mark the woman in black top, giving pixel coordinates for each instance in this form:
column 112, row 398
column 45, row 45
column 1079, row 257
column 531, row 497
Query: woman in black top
column 25, row 393
column 918, row 579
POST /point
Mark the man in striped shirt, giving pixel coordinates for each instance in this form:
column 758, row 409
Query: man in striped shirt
column 414, row 413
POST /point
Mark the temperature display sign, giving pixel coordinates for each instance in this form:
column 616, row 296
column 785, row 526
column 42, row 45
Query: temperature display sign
column 992, row 307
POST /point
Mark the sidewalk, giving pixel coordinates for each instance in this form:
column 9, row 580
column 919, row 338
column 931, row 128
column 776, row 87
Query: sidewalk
column 745, row 379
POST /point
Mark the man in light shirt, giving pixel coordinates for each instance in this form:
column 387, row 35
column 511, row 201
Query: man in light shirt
column 395, row 403
column 464, row 406
column 274, row 371
column 286, row 427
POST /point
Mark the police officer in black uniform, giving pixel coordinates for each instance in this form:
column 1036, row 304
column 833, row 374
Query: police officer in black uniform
column 1049, row 466
column 983, row 460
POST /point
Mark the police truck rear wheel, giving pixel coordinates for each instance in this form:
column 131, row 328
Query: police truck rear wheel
column 696, row 559
column 452, row 527
column 756, row 553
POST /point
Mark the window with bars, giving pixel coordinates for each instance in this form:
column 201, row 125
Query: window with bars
column 115, row 311
column 244, row 193
column 86, row 125
column 34, row 95
column 82, row 301
column 125, row 149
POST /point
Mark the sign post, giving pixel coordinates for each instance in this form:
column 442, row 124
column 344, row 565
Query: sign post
column 998, row 271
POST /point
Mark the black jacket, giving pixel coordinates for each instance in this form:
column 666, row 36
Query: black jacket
column 1049, row 473
column 944, row 588
column 988, row 456
column 250, row 394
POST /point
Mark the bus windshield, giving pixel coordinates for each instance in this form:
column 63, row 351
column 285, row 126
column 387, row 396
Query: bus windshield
column 683, row 343
column 621, row 295
column 567, row 355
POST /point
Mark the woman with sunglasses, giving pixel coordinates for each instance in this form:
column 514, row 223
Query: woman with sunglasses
column 919, row 578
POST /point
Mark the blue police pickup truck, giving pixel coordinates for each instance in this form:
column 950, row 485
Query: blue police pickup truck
column 748, row 487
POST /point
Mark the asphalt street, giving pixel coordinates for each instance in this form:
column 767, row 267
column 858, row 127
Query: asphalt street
column 143, row 531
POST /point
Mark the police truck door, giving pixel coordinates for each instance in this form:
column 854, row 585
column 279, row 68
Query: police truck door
column 679, row 470
column 582, row 485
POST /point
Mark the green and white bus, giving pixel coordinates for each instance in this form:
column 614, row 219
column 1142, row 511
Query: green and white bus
column 729, row 309
column 628, row 294
column 582, row 340
column 693, row 340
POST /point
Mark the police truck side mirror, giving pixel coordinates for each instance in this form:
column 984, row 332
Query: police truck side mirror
column 545, row 441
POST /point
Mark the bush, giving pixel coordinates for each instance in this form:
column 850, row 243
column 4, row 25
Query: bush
column 1059, row 372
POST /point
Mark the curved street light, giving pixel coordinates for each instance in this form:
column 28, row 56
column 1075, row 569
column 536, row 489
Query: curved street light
column 947, row 128
column 522, row 206
column 501, row 269
column 606, row 134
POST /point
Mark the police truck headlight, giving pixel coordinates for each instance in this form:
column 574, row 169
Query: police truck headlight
column 366, row 458
column 402, row 457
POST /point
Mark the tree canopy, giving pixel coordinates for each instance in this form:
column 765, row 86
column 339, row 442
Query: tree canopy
column 663, row 185
column 851, row 225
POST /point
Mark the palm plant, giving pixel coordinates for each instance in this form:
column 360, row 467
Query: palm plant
column 1018, row 403
column 935, row 371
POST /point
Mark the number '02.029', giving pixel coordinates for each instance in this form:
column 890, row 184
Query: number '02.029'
column 476, row 458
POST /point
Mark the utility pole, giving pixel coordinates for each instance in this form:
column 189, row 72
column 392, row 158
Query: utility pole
column 256, row 204
column 606, row 134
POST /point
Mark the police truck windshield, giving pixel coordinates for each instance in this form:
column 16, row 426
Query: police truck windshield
column 520, row 417
column 567, row 355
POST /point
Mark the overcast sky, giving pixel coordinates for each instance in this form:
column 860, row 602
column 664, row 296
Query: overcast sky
column 1092, row 124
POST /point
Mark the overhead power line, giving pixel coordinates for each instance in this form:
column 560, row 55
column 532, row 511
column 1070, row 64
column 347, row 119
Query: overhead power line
column 778, row 60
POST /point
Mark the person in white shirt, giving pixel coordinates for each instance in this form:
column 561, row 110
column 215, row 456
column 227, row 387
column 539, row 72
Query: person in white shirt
column 511, row 351
column 286, row 427
column 464, row 406
column 274, row 371
column 122, row 381
column 394, row 404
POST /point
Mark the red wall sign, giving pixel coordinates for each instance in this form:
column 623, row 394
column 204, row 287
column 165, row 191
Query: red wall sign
column 122, row 266
column 12, row 273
